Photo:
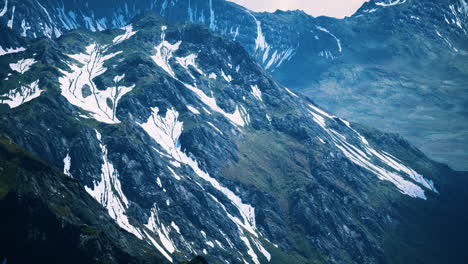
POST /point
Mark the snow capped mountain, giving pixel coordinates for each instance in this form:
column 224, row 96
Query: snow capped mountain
column 194, row 150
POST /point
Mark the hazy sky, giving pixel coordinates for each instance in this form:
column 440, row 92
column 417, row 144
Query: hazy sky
column 333, row 8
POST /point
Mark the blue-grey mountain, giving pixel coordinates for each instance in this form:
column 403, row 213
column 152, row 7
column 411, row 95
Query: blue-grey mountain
column 192, row 148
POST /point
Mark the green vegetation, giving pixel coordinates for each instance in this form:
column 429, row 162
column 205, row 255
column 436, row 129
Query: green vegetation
column 62, row 211
column 290, row 159
column 262, row 149
column 90, row 231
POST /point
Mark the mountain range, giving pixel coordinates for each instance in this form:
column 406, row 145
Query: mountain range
column 172, row 138
column 394, row 65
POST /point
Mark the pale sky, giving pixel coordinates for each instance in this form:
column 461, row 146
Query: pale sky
column 332, row 8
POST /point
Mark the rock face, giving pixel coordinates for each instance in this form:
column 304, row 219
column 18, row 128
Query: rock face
column 195, row 150
column 48, row 217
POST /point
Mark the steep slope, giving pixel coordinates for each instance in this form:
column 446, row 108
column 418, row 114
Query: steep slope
column 48, row 217
column 403, row 68
column 194, row 149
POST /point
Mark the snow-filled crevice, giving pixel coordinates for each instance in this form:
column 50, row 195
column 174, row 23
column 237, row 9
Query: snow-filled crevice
column 270, row 59
column 162, row 231
column 279, row 57
column 260, row 42
column 4, row 9
column 108, row 192
column 78, row 87
column 164, row 52
column 67, row 165
column 166, row 130
column 338, row 42
column 383, row 165
column 237, row 118
column 212, row 16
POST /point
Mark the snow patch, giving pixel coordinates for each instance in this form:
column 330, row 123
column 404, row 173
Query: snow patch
column 256, row 92
column 321, row 140
column 217, row 129
column 24, row 27
column 158, row 181
column 78, row 87
column 390, row 3
column 372, row 160
column 177, row 177
column 11, row 50
column 213, row 76
column 193, row 109
column 154, row 224
column 228, row 78
column 67, row 165
column 158, row 247
column 175, row 227
column 128, row 34
column 262, row 250
column 187, row 61
column 22, row 65
column 24, row 94
column 291, row 93
column 166, row 132
column 236, row 117
column 209, row 243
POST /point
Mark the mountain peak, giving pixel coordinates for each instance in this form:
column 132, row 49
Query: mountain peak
column 148, row 18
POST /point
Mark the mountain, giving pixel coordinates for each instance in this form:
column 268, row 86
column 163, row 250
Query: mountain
column 391, row 58
column 194, row 149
